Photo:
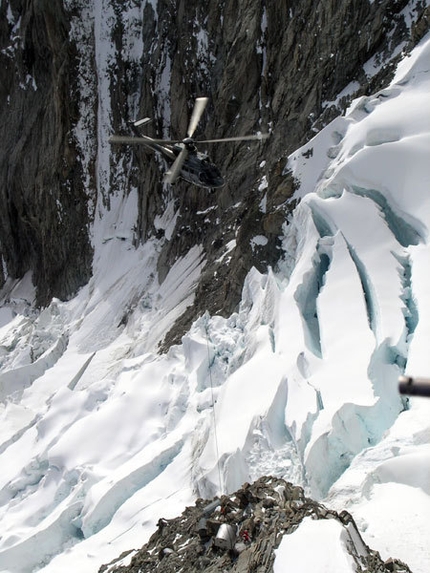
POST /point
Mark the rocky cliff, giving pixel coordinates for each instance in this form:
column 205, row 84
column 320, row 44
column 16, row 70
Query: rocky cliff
column 67, row 82
column 44, row 202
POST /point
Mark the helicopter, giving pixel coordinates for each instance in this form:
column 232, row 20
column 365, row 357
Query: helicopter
column 187, row 162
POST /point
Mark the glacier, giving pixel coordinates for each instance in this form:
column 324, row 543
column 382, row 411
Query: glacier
column 101, row 435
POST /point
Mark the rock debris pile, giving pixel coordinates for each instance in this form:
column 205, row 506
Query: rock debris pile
column 240, row 532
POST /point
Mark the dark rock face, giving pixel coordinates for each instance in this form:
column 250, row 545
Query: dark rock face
column 270, row 67
column 240, row 533
column 44, row 212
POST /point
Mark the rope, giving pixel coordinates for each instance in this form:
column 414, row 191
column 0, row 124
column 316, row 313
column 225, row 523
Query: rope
column 213, row 412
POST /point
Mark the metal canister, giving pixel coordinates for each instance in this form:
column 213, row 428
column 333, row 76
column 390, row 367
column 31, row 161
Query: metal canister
column 226, row 536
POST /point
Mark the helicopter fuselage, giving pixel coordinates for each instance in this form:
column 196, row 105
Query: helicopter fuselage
column 197, row 167
column 199, row 170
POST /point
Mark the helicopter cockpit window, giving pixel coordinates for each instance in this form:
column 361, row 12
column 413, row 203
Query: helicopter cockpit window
column 212, row 170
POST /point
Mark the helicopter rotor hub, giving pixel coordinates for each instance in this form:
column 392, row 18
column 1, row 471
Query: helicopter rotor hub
column 189, row 143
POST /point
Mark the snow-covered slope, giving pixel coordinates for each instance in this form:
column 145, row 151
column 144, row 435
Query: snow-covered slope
column 100, row 436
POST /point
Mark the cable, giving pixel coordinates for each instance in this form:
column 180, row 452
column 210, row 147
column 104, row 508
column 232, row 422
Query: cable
column 213, row 412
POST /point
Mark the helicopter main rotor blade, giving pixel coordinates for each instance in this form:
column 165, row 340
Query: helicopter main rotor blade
column 125, row 139
column 259, row 137
column 176, row 167
column 199, row 108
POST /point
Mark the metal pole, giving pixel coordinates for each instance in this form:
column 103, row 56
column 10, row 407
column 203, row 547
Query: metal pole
column 414, row 386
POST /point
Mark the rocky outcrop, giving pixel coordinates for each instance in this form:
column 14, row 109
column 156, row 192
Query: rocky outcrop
column 240, row 532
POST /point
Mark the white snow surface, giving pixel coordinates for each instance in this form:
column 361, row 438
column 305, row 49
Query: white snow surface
column 100, row 435
column 326, row 553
